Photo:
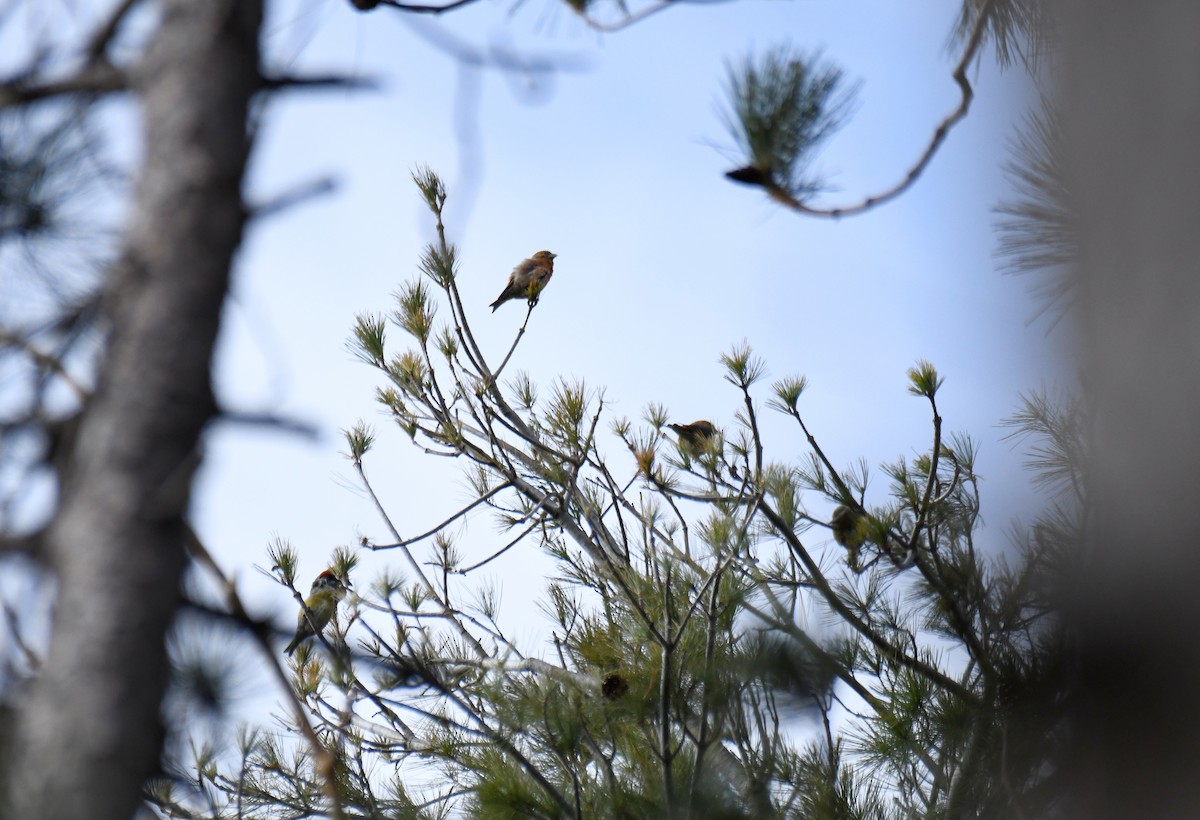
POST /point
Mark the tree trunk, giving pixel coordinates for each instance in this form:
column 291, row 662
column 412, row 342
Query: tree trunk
column 88, row 732
column 1132, row 93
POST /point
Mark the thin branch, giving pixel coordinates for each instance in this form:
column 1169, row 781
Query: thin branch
column 416, row 568
column 310, row 190
column 414, row 7
column 664, row 696
column 500, row 551
column 282, row 424
column 753, row 421
column 96, row 78
column 517, row 340
column 45, row 361
column 922, row 512
column 14, row 626
column 780, row 195
column 105, row 34
column 533, row 665
column 334, row 82
column 29, row 545
column 415, row 539
column 683, row 527
column 630, row 19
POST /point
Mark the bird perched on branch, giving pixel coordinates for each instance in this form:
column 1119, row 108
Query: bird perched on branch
column 327, row 592
column 528, row 279
column 849, row 530
column 695, row 438
column 846, row 525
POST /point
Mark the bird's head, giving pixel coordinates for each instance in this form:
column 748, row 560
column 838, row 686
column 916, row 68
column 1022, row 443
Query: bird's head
column 545, row 256
column 328, row 581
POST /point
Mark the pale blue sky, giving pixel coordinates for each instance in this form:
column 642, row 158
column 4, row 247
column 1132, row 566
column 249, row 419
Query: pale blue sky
column 663, row 264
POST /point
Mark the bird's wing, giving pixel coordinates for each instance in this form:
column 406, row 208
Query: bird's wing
column 520, row 274
column 540, row 276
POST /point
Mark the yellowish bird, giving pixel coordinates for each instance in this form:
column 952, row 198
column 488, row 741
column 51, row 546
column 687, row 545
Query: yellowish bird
column 849, row 530
column 695, row 438
column 528, row 279
column 327, row 592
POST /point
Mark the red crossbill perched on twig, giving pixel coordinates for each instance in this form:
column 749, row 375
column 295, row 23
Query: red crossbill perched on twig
column 694, row 438
column 528, row 279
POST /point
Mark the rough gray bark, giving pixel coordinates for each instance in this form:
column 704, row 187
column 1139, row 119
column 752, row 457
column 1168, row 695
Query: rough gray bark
column 88, row 732
column 1132, row 90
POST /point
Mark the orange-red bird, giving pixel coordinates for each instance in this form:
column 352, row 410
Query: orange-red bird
column 528, row 279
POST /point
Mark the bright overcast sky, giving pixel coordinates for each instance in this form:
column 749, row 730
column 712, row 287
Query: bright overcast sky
column 615, row 164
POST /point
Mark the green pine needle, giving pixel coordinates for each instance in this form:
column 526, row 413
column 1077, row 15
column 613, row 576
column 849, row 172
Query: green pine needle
column 781, row 107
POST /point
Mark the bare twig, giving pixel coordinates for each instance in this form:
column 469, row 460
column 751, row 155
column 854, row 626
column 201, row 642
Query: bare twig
column 31, row 658
column 95, row 78
column 630, row 18
column 516, row 341
column 500, row 551
column 335, row 82
column 415, row 8
column 282, row 424
column 107, row 31
column 435, row 530
column 45, row 361
column 311, row 190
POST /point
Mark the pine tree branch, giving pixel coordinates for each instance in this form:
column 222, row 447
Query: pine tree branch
column 782, row 196
column 510, row 748
column 45, row 361
column 922, row 512
column 446, row 609
column 665, row 681
column 317, row 82
column 890, row 652
column 92, row 79
column 415, row 8
column 630, row 19
column 283, row 424
column 447, row 522
column 107, row 31
column 286, row 201
column 706, row 703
